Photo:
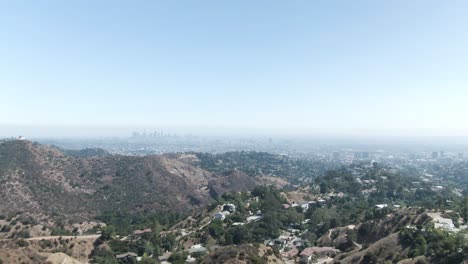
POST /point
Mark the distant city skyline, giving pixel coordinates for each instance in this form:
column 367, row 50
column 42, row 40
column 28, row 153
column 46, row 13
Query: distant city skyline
column 302, row 68
column 315, row 138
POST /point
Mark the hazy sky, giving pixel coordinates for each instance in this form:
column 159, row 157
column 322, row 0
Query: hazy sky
column 299, row 66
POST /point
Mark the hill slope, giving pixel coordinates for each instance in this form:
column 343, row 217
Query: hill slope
column 42, row 179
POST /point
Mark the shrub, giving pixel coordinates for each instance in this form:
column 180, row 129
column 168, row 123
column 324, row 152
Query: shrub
column 24, row 234
column 148, row 261
column 45, row 244
column 22, row 243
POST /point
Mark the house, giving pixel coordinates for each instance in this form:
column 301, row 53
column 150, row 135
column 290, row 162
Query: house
column 320, row 252
column 253, row 218
column 197, row 249
column 290, row 254
column 444, row 223
column 126, row 257
column 231, row 208
column 381, row 206
column 298, row 243
column 165, row 256
column 190, row 259
column 140, row 232
column 221, row 215
column 292, row 228
column 279, row 242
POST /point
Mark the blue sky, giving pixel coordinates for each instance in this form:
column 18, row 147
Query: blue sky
column 306, row 67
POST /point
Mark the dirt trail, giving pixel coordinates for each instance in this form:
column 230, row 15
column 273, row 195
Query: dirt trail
column 64, row 237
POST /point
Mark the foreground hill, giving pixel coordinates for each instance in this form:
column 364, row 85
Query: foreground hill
column 243, row 254
column 397, row 236
column 44, row 180
column 52, row 250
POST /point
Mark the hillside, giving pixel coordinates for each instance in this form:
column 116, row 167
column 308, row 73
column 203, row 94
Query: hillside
column 45, row 181
column 244, row 254
column 261, row 163
column 73, row 250
column 398, row 235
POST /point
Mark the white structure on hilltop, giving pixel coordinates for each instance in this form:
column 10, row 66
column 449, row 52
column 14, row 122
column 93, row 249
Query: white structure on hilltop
column 221, row 215
column 445, row 223
column 231, row 208
column 381, row 206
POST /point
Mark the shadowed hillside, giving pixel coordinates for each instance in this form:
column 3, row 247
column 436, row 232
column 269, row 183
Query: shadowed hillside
column 42, row 179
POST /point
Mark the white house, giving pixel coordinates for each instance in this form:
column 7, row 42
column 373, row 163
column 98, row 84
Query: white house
column 221, row 215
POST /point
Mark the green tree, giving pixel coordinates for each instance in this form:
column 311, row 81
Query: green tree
column 216, row 229
column 178, row 257
column 420, row 245
column 464, row 209
column 168, row 242
column 238, row 235
column 107, row 233
column 22, row 243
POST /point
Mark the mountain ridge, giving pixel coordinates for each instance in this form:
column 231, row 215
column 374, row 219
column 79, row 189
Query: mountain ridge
column 44, row 179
